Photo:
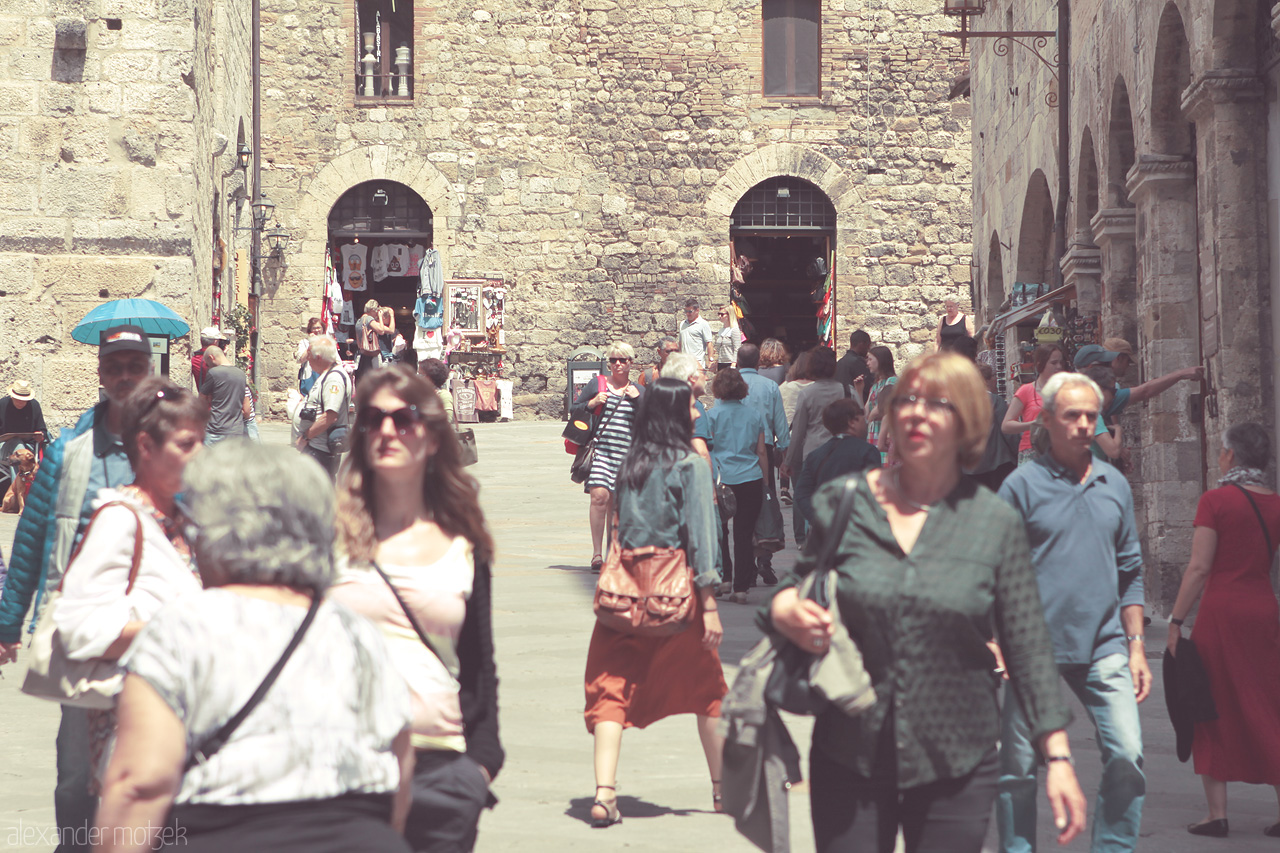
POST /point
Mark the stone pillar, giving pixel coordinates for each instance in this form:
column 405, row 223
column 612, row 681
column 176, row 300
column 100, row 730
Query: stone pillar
column 1171, row 467
column 1275, row 19
column 1229, row 109
column 1113, row 232
column 1082, row 266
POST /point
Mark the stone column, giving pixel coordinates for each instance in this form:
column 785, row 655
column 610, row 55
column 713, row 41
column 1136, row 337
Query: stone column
column 1082, row 266
column 1163, row 188
column 1113, row 232
column 1229, row 109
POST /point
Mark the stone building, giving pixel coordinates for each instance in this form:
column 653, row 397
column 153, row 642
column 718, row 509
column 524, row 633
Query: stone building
column 119, row 123
column 589, row 155
column 1170, row 216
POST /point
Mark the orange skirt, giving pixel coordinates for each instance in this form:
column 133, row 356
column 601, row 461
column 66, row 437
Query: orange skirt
column 636, row 681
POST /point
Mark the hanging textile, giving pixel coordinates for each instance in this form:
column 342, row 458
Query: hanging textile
column 431, row 275
column 824, row 296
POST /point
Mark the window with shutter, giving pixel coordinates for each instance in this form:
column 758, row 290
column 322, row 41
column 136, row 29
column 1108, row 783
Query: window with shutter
column 792, row 47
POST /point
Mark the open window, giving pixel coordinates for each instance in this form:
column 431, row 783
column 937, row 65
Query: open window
column 792, row 47
column 384, row 54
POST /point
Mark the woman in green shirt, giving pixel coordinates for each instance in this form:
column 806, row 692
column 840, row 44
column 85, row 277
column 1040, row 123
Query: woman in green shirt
column 931, row 566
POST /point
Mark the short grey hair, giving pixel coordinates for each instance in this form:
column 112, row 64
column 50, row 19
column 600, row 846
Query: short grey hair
column 1066, row 380
column 215, row 356
column 680, row 365
column 265, row 516
column 620, row 349
column 1250, row 443
column 324, row 348
column 667, row 341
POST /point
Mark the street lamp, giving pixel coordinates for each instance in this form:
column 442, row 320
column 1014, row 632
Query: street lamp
column 262, row 210
column 244, row 154
column 278, row 240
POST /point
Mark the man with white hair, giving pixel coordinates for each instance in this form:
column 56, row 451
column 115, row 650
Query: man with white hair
column 1078, row 512
column 225, row 390
column 328, row 403
column 682, row 366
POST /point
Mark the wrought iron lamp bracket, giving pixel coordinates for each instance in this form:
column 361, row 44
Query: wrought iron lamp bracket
column 1033, row 41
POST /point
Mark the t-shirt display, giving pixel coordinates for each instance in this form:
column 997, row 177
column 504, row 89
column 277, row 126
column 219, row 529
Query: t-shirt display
column 397, row 259
column 225, row 385
column 378, row 263
column 354, row 256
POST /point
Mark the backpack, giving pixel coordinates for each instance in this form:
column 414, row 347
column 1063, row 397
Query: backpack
column 368, row 338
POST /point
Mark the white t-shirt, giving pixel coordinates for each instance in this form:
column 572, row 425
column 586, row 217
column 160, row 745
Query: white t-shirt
column 398, row 260
column 353, row 266
column 694, row 338
column 378, row 263
column 324, row 728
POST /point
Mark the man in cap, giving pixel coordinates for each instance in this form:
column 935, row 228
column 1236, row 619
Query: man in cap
column 84, row 459
column 1091, row 354
column 211, row 336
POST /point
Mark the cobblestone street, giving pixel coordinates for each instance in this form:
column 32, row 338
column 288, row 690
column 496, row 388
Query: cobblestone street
column 543, row 620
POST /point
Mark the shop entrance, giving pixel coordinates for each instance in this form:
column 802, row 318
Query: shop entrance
column 378, row 234
column 782, row 239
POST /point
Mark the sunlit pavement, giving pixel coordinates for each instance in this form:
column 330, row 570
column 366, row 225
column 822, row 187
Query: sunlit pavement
column 543, row 620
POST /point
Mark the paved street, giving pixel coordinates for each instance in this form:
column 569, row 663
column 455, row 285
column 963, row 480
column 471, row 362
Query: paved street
column 543, row 620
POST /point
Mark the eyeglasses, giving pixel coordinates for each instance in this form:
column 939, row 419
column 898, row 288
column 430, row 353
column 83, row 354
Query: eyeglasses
column 371, row 419
column 932, row 405
column 613, row 360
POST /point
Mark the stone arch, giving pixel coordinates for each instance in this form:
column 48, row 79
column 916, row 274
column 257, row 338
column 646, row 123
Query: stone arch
column 995, row 278
column 1240, row 30
column 1121, row 150
column 1036, row 257
column 1171, row 133
column 1087, row 183
column 785, row 158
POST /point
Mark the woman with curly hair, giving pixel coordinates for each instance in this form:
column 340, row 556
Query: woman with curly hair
column 418, row 554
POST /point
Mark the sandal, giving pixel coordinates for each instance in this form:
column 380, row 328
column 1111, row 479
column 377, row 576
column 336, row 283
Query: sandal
column 717, row 798
column 611, row 813
column 1211, row 828
column 596, row 564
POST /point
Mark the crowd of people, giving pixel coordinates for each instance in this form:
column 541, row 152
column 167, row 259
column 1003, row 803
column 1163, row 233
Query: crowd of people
column 185, row 558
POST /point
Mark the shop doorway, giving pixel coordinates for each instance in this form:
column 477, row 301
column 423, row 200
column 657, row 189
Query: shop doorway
column 782, row 238
column 378, row 234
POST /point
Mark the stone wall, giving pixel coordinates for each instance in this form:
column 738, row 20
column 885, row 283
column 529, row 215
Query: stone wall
column 107, row 157
column 591, row 152
column 1167, row 222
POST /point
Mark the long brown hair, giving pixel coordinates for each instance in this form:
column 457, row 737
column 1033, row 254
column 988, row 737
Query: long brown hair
column 451, row 495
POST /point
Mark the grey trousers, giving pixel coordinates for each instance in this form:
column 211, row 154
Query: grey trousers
column 449, row 792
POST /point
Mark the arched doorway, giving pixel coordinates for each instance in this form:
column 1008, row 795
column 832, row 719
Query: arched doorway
column 378, row 233
column 782, row 237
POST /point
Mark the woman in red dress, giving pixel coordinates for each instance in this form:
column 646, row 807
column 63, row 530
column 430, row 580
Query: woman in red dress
column 1237, row 631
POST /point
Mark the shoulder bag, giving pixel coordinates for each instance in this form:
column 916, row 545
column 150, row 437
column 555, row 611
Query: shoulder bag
column 468, row 452
column 804, row 683
column 646, row 592
column 80, row 683
column 214, row 742
column 1271, row 551
column 422, row 635
column 580, row 470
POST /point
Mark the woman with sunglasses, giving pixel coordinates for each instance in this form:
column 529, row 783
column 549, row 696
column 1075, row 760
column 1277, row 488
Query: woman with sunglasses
column 101, row 609
column 612, row 402
column 664, row 500
column 929, row 567
column 728, row 339
column 417, row 564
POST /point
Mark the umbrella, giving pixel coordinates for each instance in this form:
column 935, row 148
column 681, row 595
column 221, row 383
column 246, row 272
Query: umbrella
column 151, row 316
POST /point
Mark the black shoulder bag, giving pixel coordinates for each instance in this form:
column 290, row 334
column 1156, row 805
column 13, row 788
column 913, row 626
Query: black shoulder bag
column 422, row 635
column 218, row 739
column 1271, row 551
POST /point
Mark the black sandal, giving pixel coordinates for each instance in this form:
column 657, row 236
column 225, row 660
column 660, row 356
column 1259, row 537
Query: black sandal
column 596, row 564
column 717, row 797
column 611, row 813
column 1210, row 828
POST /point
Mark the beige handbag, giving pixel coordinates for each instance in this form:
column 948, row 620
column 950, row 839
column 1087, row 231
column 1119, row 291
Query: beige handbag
column 51, row 674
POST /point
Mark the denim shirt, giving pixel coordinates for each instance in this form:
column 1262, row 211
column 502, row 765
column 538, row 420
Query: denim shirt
column 674, row 509
column 737, row 429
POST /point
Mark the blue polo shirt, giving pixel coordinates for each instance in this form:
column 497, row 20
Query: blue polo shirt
column 1118, row 402
column 737, row 428
column 702, row 426
column 1084, row 545
column 763, row 396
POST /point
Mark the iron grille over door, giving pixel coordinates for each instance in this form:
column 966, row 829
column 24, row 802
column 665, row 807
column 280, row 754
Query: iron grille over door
column 385, row 208
column 784, row 203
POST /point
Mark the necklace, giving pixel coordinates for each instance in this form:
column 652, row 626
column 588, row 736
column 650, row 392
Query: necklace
column 897, row 485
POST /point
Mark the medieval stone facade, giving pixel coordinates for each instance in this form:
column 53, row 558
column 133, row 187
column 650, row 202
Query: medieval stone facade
column 118, row 129
column 590, row 153
column 1171, row 224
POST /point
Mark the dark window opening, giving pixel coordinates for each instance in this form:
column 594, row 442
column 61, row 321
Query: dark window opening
column 792, row 47
column 383, row 208
column 114, row 23
column 384, row 49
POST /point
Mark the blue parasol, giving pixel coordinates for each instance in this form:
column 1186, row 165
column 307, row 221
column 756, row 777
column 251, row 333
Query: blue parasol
column 151, row 316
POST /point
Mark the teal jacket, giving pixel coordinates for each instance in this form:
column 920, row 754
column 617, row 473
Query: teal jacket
column 33, row 539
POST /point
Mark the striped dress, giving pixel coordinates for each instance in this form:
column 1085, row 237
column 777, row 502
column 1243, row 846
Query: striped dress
column 613, row 441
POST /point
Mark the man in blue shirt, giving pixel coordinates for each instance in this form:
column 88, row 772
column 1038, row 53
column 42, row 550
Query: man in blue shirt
column 1084, row 544
column 763, row 396
column 84, row 459
column 1093, row 354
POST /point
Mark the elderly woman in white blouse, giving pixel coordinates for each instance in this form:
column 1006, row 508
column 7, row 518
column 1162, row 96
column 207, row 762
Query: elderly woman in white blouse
column 304, row 761
column 134, row 557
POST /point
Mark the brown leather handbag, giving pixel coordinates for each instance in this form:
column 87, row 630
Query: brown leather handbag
column 647, row 592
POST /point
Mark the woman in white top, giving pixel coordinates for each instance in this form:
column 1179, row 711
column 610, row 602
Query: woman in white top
column 728, row 339
column 316, row 763
column 418, row 554
column 104, row 602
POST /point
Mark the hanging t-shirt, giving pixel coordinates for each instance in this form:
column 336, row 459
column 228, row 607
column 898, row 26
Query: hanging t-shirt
column 398, row 259
column 416, row 252
column 353, row 266
column 431, row 274
column 378, row 263
column 348, row 315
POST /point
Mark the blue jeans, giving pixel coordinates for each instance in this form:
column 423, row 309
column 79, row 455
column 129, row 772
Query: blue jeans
column 1105, row 687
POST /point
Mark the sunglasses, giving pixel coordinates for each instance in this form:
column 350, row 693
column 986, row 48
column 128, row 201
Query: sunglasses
column 933, row 405
column 405, row 419
column 619, row 360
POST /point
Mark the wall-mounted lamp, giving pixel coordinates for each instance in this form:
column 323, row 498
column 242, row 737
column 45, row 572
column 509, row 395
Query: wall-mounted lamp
column 263, row 207
column 245, row 154
column 278, row 240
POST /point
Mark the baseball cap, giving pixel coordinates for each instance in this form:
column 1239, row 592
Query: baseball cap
column 123, row 339
column 213, row 333
column 1093, row 354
